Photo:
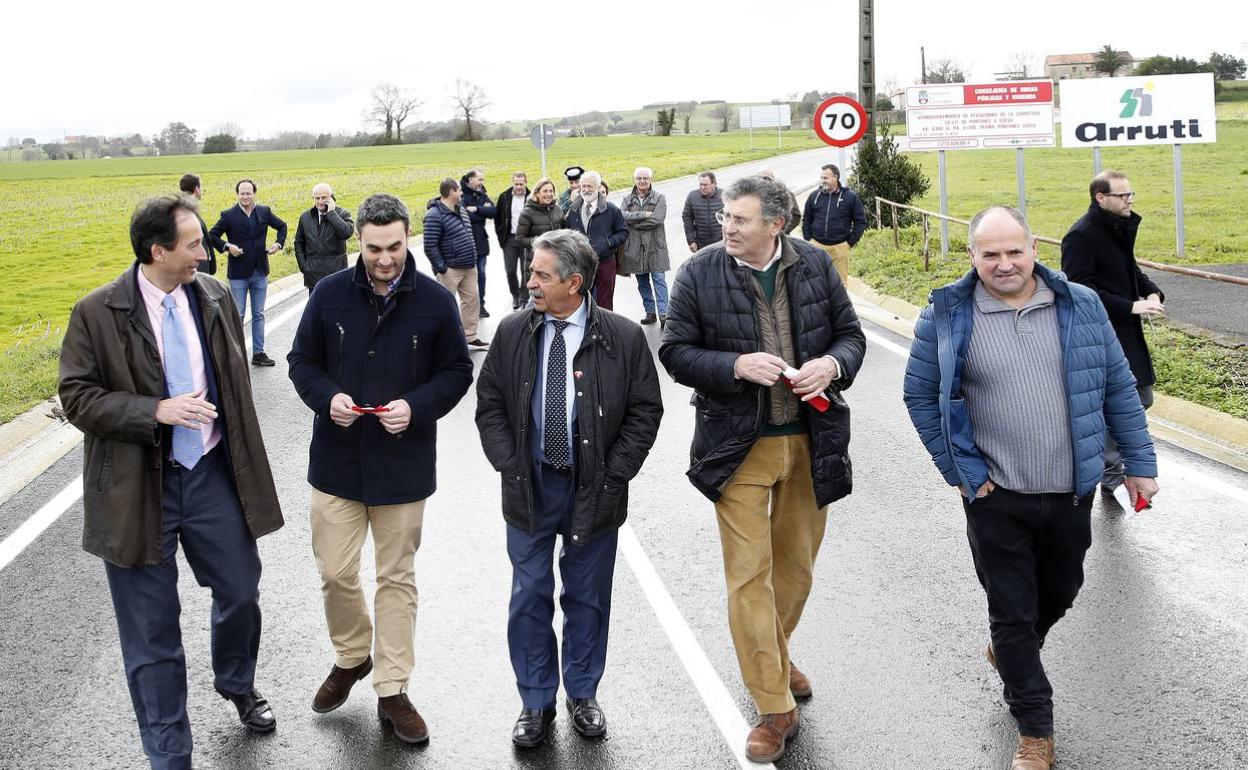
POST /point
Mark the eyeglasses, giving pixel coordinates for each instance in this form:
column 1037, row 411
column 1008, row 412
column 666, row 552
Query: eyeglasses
column 1126, row 196
column 726, row 219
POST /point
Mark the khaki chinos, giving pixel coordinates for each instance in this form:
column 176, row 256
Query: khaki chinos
column 770, row 529
column 463, row 283
column 839, row 253
column 338, row 529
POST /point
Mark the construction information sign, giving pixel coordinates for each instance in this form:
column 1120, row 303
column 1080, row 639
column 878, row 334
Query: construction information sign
column 985, row 116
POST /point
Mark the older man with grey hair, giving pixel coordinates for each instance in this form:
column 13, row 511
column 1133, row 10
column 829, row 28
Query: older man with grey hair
column 321, row 237
column 645, row 252
column 761, row 327
column 1013, row 377
column 795, row 211
column 568, row 406
column 604, row 225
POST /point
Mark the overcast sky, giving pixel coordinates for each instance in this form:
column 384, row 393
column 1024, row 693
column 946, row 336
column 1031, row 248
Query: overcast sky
column 277, row 65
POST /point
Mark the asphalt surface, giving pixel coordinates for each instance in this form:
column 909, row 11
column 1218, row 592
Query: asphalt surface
column 1149, row 667
column 1217, row 306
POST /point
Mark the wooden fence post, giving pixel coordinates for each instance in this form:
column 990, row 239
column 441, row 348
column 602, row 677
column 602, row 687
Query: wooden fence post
column 879, row 224
column 892, row 213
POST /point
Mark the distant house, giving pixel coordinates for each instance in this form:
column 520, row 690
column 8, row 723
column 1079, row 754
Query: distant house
column 1080, row 65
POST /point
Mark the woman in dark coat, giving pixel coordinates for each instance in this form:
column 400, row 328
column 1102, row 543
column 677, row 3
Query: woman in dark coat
column 541, row 214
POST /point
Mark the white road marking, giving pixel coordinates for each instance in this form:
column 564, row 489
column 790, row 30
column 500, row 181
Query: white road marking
column 33, row 527
column 707, row 682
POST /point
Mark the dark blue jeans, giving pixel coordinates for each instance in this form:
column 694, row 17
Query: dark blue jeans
column 587, row 572
column 1028, row 552
column 200, row 509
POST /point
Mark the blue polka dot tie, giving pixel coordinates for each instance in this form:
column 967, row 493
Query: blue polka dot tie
column 188, row 443
column 555, row 441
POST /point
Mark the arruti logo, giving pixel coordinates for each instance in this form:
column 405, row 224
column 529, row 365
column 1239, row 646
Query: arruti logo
column 1136, row 101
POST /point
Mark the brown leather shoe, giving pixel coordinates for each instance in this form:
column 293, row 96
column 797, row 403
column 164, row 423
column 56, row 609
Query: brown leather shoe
column 649, row 319
column 799, row 684
column 991, row 655
column 408, row 724
column 1033, row 754
column 767, row 739
column 337, row 686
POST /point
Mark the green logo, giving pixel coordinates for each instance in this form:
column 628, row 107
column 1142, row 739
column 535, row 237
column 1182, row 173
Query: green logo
column 1136, row 101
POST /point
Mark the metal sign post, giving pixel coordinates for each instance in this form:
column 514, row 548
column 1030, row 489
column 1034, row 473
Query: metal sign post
column 779, row 119
column 1096, row 160
column 944, row 205
column 542, row 137
column 1022, row 182
column 1178, row 199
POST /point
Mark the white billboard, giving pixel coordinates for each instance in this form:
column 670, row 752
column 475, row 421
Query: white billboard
column 1140, row 110
column 980, row 116
column 766, row 116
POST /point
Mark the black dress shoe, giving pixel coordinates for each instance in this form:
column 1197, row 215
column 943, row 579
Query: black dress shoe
column 532, row 727
column 483, row 313
column 262, row 359
column 253, row 710
column 587, row 717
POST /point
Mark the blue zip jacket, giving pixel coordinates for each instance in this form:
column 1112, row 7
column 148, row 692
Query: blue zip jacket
column 485, row 210
column 834, row 217
column 1100, row 388
column 448, row 239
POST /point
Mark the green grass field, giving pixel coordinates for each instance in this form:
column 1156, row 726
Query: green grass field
column 63, row 224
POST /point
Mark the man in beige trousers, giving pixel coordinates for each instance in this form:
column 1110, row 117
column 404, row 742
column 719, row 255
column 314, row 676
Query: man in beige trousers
column 379, row 357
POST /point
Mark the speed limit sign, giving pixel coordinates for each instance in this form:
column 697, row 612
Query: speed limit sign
column 840, row 121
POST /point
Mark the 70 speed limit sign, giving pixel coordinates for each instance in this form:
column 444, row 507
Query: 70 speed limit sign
column 840, row 121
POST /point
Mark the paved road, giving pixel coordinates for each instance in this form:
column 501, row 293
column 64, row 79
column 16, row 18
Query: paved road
column 1149, row 666
column 1213, row 305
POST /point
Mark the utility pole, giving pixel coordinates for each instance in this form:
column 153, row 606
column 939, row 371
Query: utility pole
column 866, row 71
column 923, row 65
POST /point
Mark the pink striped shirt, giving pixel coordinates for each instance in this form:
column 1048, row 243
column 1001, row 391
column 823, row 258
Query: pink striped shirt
column 152, row 299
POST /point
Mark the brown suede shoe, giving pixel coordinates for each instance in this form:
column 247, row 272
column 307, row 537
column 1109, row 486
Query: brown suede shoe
column 991, row 655
column 408, row 724
column 337, row 686
column 767, row 739
column 1033, row 754
column 799, row 684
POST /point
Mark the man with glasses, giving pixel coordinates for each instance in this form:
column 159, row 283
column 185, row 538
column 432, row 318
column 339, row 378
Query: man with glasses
column 1099, row 252
column 760, row 326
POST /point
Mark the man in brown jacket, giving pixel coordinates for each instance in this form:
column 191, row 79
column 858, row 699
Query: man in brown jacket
column 153, row 371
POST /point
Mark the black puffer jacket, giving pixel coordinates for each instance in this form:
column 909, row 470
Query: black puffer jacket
column 698, row 217
column 711, row 321
column 537, row 219
column 618, row 411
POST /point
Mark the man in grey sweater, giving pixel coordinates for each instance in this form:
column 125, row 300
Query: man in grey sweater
column 1013, row 377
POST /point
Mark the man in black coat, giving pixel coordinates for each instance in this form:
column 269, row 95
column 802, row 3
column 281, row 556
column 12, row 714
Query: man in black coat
column 477, row 203
column 246, row 228
column 379, row 357
column 190, row 185
column 1099, row 252
column 763, row 330
column 321, row 237
column 506, row 220
column 568, row 406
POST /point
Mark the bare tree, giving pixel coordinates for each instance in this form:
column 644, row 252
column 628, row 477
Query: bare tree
column 722, row 113
column 470, row 101
column 391, row 106
column 1021, row 65
column 230, row 128
column 945, row 71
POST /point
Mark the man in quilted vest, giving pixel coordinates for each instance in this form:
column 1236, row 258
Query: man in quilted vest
column 1013, row 376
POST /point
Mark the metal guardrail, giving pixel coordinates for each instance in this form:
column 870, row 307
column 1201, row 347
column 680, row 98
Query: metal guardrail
column 894, row 205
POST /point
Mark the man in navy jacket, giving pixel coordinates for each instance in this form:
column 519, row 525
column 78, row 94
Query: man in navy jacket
column 480, row 208
column 1013, row 376
column 834, row 219
column 379, row 357
column 246, row 230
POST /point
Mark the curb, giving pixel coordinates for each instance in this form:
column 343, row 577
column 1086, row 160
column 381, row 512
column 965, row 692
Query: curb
column 35, row 440
column 1196, row 428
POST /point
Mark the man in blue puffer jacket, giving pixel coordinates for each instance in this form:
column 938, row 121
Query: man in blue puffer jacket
column 1013, row 377
column 453, row 255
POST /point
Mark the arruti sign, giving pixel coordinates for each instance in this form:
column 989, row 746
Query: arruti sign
column 1165, row 109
